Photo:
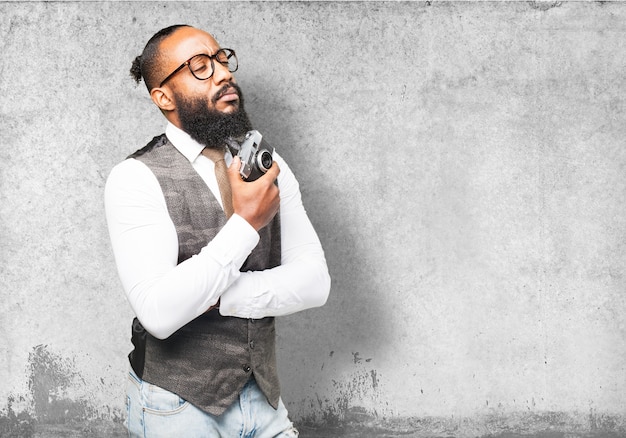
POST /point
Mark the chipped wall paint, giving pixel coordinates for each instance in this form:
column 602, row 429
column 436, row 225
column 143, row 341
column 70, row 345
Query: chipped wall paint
column 461, row 161
column 57, row 394
column 51, row 383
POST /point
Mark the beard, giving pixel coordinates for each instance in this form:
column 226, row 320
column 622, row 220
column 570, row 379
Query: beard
column 211, row 127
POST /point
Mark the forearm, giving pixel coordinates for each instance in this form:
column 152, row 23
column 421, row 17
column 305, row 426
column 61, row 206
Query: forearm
column 165, row 297
column 301, row 282
column 286, row 289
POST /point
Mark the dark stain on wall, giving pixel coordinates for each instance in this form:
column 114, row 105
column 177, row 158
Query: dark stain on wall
column 54, row 405
column 52, row 379
column 344, row 407
column 358, row 424
column 544, row 5
column 345, row 415
column 14, row 424
column 56, row 409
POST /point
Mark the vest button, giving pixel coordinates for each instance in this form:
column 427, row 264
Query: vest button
column 246, row 368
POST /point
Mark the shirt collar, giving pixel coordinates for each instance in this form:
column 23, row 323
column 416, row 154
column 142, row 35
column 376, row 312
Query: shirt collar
column 187, row 146
column 183, row 142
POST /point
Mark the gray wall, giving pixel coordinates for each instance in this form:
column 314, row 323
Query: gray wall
column 463, row 163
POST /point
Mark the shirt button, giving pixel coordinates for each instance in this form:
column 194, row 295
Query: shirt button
column 246, row 368
column 251, row 345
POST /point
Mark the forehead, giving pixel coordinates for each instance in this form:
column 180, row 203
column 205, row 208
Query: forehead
column 185, row 43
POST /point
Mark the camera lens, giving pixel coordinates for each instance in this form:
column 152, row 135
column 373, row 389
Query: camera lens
column 264, row 160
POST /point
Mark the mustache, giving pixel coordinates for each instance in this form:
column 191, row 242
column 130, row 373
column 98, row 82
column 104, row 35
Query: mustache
column 225, row 89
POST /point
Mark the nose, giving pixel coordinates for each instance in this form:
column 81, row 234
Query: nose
column 221, row 73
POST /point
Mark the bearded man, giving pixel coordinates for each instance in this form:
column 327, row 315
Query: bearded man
column 207, row 259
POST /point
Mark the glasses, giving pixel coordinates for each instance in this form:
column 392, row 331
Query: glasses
column 201, row 66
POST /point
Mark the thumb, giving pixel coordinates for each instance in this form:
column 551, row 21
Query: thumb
column 273, row 171
column 233, row 170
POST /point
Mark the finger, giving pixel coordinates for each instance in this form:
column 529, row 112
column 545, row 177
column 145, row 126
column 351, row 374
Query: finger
column 273, row 171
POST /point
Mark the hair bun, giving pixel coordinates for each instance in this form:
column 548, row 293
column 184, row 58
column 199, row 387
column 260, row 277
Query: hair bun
column 135, row 69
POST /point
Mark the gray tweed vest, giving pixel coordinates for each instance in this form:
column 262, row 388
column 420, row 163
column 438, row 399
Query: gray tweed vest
column 208, row 361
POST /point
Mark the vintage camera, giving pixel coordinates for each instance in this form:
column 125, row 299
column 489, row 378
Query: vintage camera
column 256, row 156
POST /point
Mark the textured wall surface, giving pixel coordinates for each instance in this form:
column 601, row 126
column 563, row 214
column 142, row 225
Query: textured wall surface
column 463, row 163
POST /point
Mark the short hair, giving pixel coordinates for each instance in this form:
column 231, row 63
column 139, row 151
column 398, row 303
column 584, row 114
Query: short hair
column 148, row 65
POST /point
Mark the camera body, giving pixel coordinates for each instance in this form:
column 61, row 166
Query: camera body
column 256, row 157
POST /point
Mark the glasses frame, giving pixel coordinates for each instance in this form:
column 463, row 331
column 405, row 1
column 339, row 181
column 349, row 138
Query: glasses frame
column 211, row 58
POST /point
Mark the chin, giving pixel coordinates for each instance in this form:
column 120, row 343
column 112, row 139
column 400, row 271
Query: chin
column 231, row 108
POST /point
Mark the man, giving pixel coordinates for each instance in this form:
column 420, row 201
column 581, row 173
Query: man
column 206, row 263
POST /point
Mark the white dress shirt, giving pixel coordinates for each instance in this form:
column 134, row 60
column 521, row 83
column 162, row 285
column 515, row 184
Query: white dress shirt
column 165, row 295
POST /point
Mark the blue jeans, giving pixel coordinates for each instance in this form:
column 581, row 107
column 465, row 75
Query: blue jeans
column 154, row 412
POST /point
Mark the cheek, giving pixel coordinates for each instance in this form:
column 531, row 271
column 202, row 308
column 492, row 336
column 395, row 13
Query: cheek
column 196, row 90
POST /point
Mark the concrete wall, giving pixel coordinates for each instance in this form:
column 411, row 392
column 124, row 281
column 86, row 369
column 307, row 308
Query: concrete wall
column 463, row 163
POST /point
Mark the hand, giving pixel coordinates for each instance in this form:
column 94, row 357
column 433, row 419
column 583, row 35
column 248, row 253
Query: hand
column 257, row 201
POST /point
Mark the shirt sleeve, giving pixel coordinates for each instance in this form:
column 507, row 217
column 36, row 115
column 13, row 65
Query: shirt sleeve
column 163, row 294
column 301, row 281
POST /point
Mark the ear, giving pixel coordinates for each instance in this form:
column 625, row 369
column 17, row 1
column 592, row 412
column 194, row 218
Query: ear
column 163, row 99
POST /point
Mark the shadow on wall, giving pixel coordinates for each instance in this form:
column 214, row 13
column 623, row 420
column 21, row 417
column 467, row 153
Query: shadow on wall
column 336, row 374
column 355, row 323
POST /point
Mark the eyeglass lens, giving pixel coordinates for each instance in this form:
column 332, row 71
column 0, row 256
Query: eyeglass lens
column 202, row 65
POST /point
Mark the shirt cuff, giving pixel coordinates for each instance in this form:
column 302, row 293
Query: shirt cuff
column 248, row 297
column 234, row 243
